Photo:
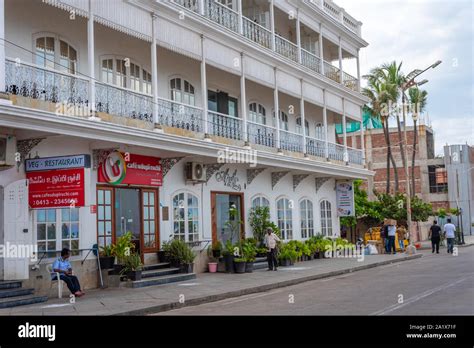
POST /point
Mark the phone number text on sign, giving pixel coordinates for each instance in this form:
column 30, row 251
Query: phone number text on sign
column 56, row 188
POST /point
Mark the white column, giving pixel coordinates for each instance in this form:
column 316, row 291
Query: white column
column 298, row 34
column 303, row 118
column 154, row 68
column 201, row 7
column 243, row 99
column 362, row 144
column 2, row 47
column 241, row 20
column 358, row 71
column 272, row 23
column 325, row 123
column 204, row 87
column 321, row 52
column 276, row 108
column 91, row 62
column 340, row 61
column 344, row 131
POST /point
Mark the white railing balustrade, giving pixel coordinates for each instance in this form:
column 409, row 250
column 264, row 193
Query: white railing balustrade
column 257, row 33
column 225, row 126
column 222, row 15
column 122, row 102
column 286, row 48
column 336, row 152
column 331, row 9
column 350, row 81
column 260, row 134
column 178, row 115
column 192, row 5
column 355, row 156
column 331, row 71
column 315, row 147
column 291, row 141
column 311, row 61
column 35, row 82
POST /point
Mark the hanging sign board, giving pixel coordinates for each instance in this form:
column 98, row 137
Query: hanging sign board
column 345, row 198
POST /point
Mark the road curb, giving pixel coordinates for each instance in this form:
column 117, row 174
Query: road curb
column 260, row 288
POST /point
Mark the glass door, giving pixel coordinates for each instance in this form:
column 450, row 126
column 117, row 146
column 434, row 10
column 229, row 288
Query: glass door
column 225, row 224
column 127, row 214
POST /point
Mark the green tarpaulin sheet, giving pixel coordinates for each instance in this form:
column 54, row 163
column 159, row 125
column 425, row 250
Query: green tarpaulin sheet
column 368, row 120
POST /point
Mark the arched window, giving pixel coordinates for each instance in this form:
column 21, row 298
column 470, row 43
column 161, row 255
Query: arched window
column 326, row 218
column 298, row 126
column 186, row 217
column 307, row 221
column 285, row 218
column 182, row 91
column 260, row 201
column 257, row 113
column 319, row 131
column 126, row 74
column 52, row 52
column 283, row 117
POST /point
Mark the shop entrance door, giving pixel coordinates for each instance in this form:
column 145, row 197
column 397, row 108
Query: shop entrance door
column 222, row 220
column 127, row 214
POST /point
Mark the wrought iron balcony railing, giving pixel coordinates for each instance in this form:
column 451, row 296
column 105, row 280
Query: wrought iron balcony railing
column 260, row 134
column 286, row 48
column 257, row 33
column 315, row 147
column 311, row 61
column 336, row 152
column 355, row 156
column 290, row 141
column 225, row 126
column 178, row 115
column 222, row 15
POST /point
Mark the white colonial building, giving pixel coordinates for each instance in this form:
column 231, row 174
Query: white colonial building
column 116, row 112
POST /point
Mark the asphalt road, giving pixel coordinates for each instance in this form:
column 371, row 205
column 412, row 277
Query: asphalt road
column 436, row 284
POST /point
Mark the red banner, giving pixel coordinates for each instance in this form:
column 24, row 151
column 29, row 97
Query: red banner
column 125, row 168
column 56, row 188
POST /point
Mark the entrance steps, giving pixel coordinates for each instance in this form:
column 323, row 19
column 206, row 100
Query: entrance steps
column 12, row 294
column 159, row 274
column 260, row 263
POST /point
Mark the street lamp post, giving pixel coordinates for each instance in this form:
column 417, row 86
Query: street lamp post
column 410, row 82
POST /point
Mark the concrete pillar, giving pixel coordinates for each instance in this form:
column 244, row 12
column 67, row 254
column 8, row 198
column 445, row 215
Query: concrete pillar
column 201, row 7
column 298, row 34
column 154, row 68
column 358, row 71
column 272, row 23
column 340, row 62
column 344, row 131
column 91, row 63
column 2, row 46
column 243, row 99
column 204, row 87
column 362, row 141
column 241, row 20
column 321, row 52
column 303, row 117
column 325, row 123
column 277, row 109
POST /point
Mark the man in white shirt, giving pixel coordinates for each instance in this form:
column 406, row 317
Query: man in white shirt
column 450, row 233
column 391, row 231
column 271, row 240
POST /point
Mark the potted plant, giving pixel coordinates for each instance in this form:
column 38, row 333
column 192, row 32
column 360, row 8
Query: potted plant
column 306, row 251
column 229, row 257
column 182, row 256
column 262, row 252
column 249, row 251
column 239, row 264
column 216, row 249
column 212, row 264
column 287, row 254
column 164, row 253
column 133, row 267
column 121, row 249
column 106, row 257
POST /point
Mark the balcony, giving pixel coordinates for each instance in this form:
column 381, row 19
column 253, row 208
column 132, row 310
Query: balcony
column 56, row 88
column 229, row 18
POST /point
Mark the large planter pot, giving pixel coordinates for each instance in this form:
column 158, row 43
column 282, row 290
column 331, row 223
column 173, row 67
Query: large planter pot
column 163, row 256
column 216, row 254
column 212, row 267
column 285, row 262
column 186, row 268
column 134, row 275
column 107, row 262
column 248, row 267
column 229, row 263
column 239, row 267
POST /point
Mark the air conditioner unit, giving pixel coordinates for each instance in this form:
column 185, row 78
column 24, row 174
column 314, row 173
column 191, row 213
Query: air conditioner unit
column 7, row 150
column 195, row 171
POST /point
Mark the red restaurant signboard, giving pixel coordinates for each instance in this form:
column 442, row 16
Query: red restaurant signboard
column 56, row 188
column 125, row 168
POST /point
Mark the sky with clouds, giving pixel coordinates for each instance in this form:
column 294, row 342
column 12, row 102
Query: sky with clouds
column 420, row 32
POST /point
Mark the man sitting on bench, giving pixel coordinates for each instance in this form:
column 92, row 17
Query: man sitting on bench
column 63, row 267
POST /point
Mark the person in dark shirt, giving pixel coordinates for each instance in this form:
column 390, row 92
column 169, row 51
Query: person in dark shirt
column 435, row 236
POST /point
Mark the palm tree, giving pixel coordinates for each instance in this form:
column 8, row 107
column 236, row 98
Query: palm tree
column 418, row 102
column 380, row 93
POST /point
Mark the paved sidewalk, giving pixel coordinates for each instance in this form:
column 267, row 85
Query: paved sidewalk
column 207, row 287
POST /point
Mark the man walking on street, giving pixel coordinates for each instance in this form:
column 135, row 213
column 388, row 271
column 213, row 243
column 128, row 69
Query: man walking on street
column 271, row 240
column 450, row 234
column 435, row 236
